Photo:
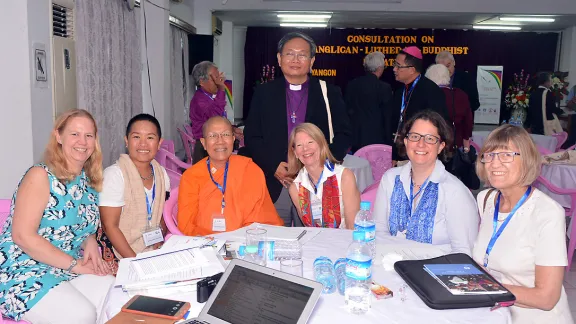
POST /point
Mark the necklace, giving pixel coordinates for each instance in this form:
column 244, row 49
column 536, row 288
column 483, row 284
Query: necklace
column 294, row 111
column 148, row 177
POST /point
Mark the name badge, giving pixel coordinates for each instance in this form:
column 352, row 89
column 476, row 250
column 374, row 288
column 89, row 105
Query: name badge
column 218, row 223
column 316, row 209
column 152, row 236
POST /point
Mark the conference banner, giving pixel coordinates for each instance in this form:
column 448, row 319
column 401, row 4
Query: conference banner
column 489, row 79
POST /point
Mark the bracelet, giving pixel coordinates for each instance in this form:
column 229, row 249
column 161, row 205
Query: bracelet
column 72, row 265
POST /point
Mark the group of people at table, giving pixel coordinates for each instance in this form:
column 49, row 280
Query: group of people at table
column 70, row 220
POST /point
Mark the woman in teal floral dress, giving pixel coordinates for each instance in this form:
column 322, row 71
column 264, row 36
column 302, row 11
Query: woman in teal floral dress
column 54, row 216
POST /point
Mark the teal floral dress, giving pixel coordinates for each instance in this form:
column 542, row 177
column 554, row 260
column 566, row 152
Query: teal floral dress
column 69, row 218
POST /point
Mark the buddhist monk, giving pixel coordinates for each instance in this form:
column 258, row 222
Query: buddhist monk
column 223, row 192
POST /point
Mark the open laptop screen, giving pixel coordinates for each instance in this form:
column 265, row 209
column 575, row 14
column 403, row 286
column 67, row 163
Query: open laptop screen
column 249, row 296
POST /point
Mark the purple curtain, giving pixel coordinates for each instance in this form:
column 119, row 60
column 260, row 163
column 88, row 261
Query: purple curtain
column 530, row 51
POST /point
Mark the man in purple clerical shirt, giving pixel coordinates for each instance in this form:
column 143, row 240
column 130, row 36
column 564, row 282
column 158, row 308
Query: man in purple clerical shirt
column 208, row 101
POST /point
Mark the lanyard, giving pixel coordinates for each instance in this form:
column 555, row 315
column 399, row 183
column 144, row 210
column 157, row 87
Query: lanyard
column 330, row 167
column 413, row 196
column 405, row 100
column 221, row 188
column 224, row 114
column 148, row 203
column 496, row 234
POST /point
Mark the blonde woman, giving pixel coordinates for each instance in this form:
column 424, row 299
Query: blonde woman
column 522, row 238
column 54, row 215
column 324, row 192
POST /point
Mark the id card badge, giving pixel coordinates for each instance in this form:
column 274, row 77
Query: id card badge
column 316, row 209
column 152, row 236
column 218, row 223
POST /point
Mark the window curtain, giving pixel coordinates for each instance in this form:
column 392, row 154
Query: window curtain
column 180, row 93
column 108, row 69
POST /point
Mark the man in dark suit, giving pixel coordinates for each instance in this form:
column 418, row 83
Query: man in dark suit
column 368, row 101
column 460, row 79
column 279, row 106
column 417, row 93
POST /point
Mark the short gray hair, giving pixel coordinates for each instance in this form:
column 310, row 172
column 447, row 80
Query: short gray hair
column 374, row 61
column 290, row 36
column 439, row 74
column 444, row 55
column 201, row 70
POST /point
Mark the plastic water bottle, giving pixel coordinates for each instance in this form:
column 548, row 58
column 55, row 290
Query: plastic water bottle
column 324, row 274
column 280, row 249
column 364, row 222
column 358, row 275
column 340, row 271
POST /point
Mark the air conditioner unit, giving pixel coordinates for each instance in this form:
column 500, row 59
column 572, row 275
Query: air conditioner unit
column 216, row 25
column 63, row 58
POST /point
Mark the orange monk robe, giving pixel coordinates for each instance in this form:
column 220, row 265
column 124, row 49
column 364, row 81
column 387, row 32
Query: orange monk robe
column 246, row 195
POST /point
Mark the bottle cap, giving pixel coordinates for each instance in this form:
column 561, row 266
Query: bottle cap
column 358, row 236
column 365, row 205
column 242, row 250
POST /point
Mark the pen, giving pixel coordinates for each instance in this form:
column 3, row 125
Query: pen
column 301, row 235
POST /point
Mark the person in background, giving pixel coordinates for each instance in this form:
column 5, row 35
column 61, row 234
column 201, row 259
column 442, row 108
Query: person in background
column 417, row 94
column 279, row 106
column 535, row 114
column 421, row 201
column 368, row 100
column 460, row 79
column 209, row 100
column 223, row 192
column 54, row 216
column 529, row 255
column 324, row 192
column 571, row 105
column 457, row 104
column 133, row 195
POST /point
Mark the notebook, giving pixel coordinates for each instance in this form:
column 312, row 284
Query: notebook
column 249, row 293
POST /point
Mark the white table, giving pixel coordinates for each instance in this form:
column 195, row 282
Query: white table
column 547, row 142
column 362, row 170
column 330, row 308
column 562, row 176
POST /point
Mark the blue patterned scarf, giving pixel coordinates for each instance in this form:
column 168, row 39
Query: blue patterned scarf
column 420, row 226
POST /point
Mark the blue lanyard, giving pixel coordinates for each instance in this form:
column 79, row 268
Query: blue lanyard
column 496, row 234
column 221, row 188
column 148, row 204
column 413, row 196
column 330, row 167
column 404, row 101
column 206, row 94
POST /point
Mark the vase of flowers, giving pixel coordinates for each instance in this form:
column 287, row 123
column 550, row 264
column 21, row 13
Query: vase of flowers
column 559, row 87
column 517, row 97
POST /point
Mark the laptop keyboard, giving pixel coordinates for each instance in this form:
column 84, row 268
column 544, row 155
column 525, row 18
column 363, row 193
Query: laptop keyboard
column 196, row 322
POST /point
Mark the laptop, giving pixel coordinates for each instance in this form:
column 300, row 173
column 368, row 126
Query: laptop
column 249, row 293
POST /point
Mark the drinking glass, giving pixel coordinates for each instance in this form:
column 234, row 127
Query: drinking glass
column 292, row 266
column 255, row 252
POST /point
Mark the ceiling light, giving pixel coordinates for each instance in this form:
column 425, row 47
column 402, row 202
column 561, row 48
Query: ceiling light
column 498, row 27
column 532, row 19
column 303, row 25
column 303, row 16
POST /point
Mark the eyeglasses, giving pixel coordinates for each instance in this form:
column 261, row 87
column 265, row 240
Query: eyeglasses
column 504, row 157
column 299, row 57
column 428, row 139
column 398, row 66
column 214, row 136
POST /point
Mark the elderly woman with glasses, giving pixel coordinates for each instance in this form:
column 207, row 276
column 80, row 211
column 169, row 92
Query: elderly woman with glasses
column 421, row 201
column 222, row 192
column 522, row 238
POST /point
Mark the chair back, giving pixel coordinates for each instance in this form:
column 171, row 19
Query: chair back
column 543, row 150
column 379, row 156
column 174, row 178
column 168, row 145
column 4, row 211
column 171, row 213
column 188, row 141
column 369, row 194
column 561, row 137
column 476, row 146
column 170, row 161
column 188, row 130
column 543, row 182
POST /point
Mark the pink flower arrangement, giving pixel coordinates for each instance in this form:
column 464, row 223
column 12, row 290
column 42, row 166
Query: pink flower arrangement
column 518, row 93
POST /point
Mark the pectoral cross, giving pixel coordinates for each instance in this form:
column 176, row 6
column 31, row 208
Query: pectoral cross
column 293, row 117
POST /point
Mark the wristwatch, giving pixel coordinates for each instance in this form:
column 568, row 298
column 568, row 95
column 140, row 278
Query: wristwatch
column 72, row 265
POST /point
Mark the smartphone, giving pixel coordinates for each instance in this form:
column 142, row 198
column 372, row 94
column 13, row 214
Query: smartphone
column 156, row 307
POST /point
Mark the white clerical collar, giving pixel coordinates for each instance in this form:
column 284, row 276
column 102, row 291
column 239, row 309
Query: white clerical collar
column 295, row 87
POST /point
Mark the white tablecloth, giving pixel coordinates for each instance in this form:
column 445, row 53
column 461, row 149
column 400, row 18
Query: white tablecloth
column 330, row 308
column 547, row 142
column 562, row 176
column 361, row 168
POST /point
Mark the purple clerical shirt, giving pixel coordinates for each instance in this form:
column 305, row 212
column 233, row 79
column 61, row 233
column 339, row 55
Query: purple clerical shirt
column 296, row 103
column 203, row 106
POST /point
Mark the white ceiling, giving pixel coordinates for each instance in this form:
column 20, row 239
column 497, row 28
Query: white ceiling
column 383, row 19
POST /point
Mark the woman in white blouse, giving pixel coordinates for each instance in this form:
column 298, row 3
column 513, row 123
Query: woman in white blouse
column 421, row 201
column 324, row 192
column 522, row 238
